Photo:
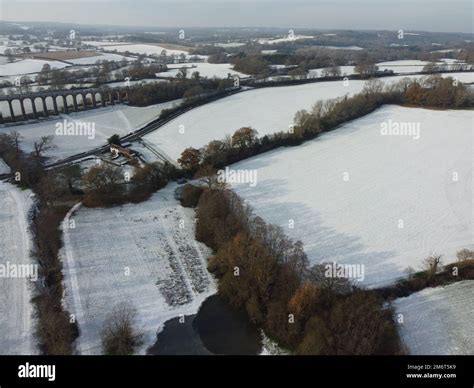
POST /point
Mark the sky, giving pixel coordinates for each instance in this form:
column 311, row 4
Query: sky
column 423, row 15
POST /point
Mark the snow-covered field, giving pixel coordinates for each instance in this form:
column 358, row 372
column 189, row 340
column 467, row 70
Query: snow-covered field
column 438, row 321
column 268, row 52
column 103, row 43
column 28, row 66
column 147, row 49
column 284, row 39
column 4, row 169
column 268, row 110
column 142, row 254
column 230, row 44
column 120, row 119
column 99, row 57
column 354, row 48
column 345, row 70
column 359, row 197
column 404, row 66
column 122, row 84
column 410, row 65
column 209, row 70
column 16, row 310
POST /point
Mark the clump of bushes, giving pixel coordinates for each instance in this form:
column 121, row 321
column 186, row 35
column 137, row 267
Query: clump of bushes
column 107, row 185
column 190, row 195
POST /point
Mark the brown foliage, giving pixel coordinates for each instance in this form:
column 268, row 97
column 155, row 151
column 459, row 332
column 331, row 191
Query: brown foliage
column 190, row 159
column 356, row 325
column 54, row 330
column 190, row 195
column 244, row 137
column 305, row 301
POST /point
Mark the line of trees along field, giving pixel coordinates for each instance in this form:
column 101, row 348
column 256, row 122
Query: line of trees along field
column 431, row 92
column 250, row 60
column 174, row 89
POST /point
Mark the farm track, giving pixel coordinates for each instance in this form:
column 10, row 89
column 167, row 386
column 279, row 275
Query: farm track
column 16, row 315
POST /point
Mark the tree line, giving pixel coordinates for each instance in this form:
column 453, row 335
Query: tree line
column 430, row 92
column 155, row 93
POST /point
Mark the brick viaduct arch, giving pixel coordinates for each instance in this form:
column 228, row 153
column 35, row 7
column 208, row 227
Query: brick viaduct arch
column 89, row 99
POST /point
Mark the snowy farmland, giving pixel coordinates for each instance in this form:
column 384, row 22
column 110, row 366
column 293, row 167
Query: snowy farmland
column 268, row 110
column 357, row 196
column 120, row 119
column 284, row 39
column 16, row 310
column 353, row 48
column 209, row 70
column 146, row 49
column 28, row 66
column 318, row 73
column 4, row 169
column 412, row 66
column 403, row 66
column 438, row 320
column 144, row 254
column 99, row 57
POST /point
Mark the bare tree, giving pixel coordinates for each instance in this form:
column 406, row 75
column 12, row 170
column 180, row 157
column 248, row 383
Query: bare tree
column 9, row 54
column 430, row 67
column 409, row 271
column 182, row 73
column 465, row 254
column 25, row 83
column 332, row 71
column 331, row 285
column 45, row 144
column 208, row 175
column 373, row 86
column 16, row 138
column 120, row 335
column 431, row 265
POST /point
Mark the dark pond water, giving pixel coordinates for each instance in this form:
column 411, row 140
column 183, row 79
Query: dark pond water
column 215, row 329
